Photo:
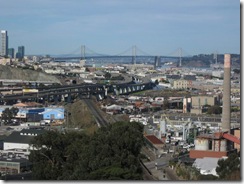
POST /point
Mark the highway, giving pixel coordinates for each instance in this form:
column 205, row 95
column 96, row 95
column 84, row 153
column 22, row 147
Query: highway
column 78, row 89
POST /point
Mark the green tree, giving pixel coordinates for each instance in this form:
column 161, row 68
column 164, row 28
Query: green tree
column 214, row 110
column 8, row 114
column 166, row 103
column 156, row 82
column 107, row 75
column 229, row 169
column 112, row 153
column 237, row 71
column 207, row 177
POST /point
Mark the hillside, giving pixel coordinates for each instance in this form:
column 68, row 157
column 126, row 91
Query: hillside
column 79, row 116
column 7, row 72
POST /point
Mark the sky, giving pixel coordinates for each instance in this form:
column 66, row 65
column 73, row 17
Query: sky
column 156, row 27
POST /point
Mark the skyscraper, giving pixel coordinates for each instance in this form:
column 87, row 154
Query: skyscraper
column 4, row 38
column 11, row 52
column 21, row 52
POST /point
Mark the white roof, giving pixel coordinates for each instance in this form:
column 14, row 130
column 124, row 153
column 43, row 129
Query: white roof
column 207, row 165
column 115, row 107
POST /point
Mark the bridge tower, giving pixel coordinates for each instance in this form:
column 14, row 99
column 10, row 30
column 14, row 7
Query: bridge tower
column 83, row 55
column 215, row 57
column 134, row 55
column 157, row 61
column 83, row 52
column 180, row 55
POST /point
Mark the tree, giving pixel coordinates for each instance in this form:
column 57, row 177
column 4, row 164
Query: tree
column 107, row 75
column 165, row 103
column 207, row 177
column 229, row 169
column 214, row 109
column 113, row 152
column 156, row 82
column 237, row 71
column 9, row 114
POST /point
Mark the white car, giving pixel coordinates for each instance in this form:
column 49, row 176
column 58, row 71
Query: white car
column 186, row 146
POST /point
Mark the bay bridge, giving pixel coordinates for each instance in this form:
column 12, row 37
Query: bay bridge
column 131, row 55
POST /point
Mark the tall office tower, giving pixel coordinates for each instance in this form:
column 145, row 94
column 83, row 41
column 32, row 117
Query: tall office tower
column 11, row 52
column 226, row 94
column 4, row 37
column 21, row 52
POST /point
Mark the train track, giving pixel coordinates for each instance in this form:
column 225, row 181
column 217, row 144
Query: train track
column 101, row 121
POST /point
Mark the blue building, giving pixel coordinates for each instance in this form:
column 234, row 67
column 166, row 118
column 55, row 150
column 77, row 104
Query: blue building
column 53, row 113
column 37, row 114
column 21, row 52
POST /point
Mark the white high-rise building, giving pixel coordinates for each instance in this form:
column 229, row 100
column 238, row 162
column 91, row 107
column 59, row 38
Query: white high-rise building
column 4, row 39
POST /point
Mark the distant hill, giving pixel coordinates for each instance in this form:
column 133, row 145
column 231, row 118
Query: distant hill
column 204, row 60
column 7, row 72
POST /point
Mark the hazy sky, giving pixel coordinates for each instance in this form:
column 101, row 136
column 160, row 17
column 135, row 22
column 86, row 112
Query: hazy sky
column 158, row 27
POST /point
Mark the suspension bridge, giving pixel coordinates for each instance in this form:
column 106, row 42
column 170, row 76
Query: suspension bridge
column 132, row 55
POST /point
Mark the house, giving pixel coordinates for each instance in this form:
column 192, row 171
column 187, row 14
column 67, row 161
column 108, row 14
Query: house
column 27, row 105
column 153, row 142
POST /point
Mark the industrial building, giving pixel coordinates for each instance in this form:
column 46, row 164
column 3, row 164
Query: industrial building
column 182, row 84
column 226, row 141
column 197, row 102
column 215, row 145
column 21, row 140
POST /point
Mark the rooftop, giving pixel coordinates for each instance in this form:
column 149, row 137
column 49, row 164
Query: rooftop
column 153, row 139
column 24, row 136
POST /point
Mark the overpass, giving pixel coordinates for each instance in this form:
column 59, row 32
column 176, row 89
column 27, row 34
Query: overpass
column 83, row 91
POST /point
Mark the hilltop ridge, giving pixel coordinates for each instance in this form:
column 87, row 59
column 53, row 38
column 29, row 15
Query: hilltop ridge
column 7, row 72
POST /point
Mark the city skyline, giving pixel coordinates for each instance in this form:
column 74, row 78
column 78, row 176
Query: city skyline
column 157, row 27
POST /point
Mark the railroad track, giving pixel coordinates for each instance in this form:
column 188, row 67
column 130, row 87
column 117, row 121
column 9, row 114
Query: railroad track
column 99, row 118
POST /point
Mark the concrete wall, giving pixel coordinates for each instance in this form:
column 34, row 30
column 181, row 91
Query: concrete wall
column 237, row 133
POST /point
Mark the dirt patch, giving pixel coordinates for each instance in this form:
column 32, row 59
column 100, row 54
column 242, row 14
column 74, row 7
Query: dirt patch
column 78, row 115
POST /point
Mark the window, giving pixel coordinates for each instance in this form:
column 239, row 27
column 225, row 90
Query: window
column 206, row 101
